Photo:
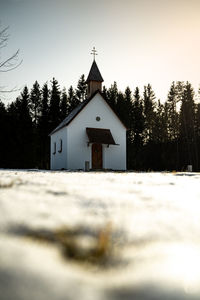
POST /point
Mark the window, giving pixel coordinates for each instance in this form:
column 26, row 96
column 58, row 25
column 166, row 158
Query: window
column 60, row 146
column 54, row 148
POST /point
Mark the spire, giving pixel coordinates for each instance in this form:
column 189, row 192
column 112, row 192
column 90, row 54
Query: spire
column 94, row 80
column 94, row 74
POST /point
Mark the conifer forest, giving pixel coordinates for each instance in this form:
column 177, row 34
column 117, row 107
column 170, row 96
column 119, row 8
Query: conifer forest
column 160, row 135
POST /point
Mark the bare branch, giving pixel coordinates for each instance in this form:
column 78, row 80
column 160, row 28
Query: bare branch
column 4, row 37
column 13, row 68
column 9, row 63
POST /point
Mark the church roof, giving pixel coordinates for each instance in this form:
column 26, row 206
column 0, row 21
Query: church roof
column 70, row 117
column 94, row 74
column 76, row 111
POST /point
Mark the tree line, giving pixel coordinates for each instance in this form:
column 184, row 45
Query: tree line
column 160, row 136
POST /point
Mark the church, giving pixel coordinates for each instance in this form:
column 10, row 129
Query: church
column 91, row 137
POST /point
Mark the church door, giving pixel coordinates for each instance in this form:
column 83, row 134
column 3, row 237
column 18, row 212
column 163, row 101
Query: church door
column 97, row 156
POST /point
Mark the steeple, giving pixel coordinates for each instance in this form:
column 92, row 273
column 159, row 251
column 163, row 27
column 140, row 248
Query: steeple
column 94, row 80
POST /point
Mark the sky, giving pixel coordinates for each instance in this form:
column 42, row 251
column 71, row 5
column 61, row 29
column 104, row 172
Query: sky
column 138, row 42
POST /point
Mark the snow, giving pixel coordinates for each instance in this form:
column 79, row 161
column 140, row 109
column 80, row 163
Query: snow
column 153, row 221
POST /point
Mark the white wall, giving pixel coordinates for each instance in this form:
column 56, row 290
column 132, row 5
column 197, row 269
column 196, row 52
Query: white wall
column 78, row 152
column 59, row 160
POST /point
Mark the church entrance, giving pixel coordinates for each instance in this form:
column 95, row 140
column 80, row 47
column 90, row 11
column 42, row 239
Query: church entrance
column 97, row 161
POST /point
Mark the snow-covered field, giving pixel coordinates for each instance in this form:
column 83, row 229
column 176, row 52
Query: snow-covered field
column 148, row 225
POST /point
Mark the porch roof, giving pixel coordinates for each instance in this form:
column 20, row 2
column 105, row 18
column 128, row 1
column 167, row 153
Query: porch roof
column 100, row 136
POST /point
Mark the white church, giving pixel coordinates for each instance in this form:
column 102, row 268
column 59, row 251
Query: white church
column 91, row 137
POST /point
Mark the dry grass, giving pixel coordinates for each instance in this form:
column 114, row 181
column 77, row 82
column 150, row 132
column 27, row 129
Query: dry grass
column 6, row 184
column 78, row 245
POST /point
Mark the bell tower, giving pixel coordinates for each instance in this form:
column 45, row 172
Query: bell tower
column 94, row 80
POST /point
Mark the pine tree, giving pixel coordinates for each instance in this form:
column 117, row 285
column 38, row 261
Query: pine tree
column 44, row 108
column 4, row 135
column 64, row 105
column 129, row 114
column 35, row 108
column 137, row 117
column 2, row 116
column 112, row 95
column 187, row 125
column 105, row 92
column 135, row 160
column 149, row 112
column 179, row 87
column 73, row 101
column 14, row 143
column 129, row 105
column 172, row 114
column 22, row 104
column 26, row 132
column 121, row 108
column 35, row 103
column 54, row 108
column 21, row 145
column 160, row 132
column 197, row 130
column 197, row 119
column 81, row 91
column 44, row 129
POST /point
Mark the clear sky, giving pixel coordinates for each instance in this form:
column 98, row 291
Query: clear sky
column 138, row 41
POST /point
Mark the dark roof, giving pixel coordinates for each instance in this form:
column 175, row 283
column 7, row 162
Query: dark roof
column 70, row 117
column 77, row 110
column 101, row 136
column 94, row 74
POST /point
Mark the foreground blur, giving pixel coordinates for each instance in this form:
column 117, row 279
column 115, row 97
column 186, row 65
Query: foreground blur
column 147, row 224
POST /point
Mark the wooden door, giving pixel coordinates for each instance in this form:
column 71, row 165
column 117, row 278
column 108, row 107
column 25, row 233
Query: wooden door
column 97, row 156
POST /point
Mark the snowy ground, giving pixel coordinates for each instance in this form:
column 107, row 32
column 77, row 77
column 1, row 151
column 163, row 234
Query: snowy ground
column 148, row 224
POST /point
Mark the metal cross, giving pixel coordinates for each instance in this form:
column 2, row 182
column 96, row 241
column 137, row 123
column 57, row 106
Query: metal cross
column 94, row 52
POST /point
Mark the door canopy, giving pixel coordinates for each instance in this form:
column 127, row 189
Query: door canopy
column 100, row 136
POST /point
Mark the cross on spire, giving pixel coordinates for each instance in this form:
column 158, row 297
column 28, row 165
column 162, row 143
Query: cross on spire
column 94, row 52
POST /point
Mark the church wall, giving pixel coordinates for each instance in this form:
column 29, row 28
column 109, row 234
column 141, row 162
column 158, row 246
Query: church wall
column 78, row 150
column 59, row 159
column 114, row 157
